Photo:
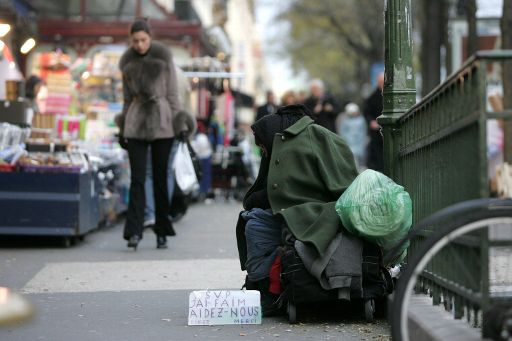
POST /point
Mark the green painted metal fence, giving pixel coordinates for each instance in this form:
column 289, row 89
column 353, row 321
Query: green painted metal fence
column 440, row 155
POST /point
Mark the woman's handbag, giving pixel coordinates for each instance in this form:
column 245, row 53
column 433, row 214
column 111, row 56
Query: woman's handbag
column 184, row 170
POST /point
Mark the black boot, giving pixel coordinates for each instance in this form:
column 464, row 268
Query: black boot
column 161, row 242
column 133, row 242
column 171, row 231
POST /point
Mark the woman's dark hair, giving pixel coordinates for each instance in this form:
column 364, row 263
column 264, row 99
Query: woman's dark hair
column 140, row 25
column 30, row 86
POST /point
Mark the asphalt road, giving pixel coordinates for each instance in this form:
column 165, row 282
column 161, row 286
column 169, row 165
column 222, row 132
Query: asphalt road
column 100, row 290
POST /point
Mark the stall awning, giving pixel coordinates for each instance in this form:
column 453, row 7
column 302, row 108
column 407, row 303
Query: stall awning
column 98, row 21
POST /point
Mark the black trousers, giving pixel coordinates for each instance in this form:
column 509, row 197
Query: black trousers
column 137, row 153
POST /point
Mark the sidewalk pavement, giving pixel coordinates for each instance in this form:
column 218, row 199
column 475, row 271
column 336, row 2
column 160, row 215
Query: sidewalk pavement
column 101, row 290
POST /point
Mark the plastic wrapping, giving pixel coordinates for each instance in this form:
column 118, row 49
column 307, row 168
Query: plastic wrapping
column 376, row 209
column 184, row 170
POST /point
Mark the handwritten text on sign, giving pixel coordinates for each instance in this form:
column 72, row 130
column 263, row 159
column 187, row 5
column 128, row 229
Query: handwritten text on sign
column 218, row 307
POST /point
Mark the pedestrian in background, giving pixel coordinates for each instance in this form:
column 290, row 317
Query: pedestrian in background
column 184, row 122
column 301, row 97
column 150, row 105
column 322, row 105
column 371, row 110
column 289, row 98
column 204, row 151
column 32, row 87
column 352, row 127
column 268, row 108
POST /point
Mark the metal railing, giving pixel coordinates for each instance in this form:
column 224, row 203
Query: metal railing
column 440, row 155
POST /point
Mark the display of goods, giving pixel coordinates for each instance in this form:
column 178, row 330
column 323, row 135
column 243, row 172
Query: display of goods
column 71, row 127
column 59, row 81
column 52, row 162
column 58, row 103
column 45, row 145
column 105, row 63
column 98, row 106
column 6, row 167
column 98, row 131
column 14, row 89
column 50, row 169
column 59, row 85
column 12, row 135
column 54, row 60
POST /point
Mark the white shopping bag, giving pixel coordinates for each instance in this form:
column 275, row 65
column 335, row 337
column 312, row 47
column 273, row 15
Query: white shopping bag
column 186, row 177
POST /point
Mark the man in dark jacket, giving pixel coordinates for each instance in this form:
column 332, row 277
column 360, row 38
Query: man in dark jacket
column 267, row 108
column 373, row 109
column 304, row 170
column 322, row 105
column 263, row 230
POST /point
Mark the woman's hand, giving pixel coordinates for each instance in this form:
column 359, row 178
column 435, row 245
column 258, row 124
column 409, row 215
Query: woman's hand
column 123, row 142
column 182, row 135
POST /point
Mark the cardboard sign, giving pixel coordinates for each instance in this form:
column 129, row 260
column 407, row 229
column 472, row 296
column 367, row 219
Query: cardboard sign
column 220, row 307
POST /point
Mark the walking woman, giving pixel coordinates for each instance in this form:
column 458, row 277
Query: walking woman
column 150, row 106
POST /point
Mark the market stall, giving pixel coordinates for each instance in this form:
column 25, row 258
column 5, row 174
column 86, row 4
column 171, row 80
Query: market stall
column 66, row 174
column 44, row 189
column 95, row 97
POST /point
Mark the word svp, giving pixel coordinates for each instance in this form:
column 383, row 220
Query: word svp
column 219, row 307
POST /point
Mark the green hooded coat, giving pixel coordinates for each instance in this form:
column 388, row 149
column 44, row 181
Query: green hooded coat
column 310, row 167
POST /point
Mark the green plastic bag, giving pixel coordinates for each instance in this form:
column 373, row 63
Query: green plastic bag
column 376, row 209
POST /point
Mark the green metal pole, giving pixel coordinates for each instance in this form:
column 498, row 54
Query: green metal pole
column 399, row 85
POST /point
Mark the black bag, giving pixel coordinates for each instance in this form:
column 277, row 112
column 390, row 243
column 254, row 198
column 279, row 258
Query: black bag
column 301, row 287
column 298, row 284
column 179, row 203
column 377, row 281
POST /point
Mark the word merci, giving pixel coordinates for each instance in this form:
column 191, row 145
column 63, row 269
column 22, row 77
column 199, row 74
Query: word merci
column 219, row 307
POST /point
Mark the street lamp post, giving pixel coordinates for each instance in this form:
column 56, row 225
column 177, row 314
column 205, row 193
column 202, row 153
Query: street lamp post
column 399, row 86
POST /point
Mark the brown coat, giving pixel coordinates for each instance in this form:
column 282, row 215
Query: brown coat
column 150, row 93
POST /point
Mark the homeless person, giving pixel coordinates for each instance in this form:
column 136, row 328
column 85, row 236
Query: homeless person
column 304, row 170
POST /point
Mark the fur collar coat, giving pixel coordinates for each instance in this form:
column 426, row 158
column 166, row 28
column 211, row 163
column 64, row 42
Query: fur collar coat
column 150, row 91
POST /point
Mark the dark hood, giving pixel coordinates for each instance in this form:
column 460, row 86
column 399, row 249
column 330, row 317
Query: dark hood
column 268, row 126
column 264, row 131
